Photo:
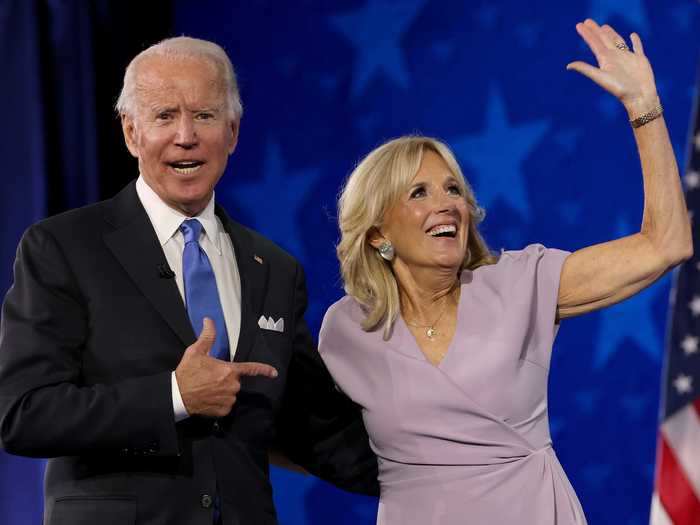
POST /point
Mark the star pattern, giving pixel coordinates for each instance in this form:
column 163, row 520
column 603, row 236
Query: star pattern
column 497, row 153
column 377, row 44
column 631, row 320
column 269, row 203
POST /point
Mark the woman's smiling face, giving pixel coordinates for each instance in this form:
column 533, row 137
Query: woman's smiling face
column 429, row 225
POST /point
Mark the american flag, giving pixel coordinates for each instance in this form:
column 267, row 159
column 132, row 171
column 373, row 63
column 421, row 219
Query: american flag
column 676, row 499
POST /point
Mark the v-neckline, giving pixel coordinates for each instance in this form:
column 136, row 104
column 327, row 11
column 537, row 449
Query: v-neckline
column 407, row 344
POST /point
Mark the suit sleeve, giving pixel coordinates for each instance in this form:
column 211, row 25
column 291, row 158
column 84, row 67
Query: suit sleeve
column 320, row 428
column 46, row 409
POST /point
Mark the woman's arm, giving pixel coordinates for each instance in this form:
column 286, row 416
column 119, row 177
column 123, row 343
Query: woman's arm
column 606, row 273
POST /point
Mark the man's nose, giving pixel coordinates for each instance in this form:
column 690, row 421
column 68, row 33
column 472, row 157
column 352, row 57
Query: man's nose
column 186, row 136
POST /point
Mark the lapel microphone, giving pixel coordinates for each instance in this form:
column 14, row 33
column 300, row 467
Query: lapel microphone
column 165, row 272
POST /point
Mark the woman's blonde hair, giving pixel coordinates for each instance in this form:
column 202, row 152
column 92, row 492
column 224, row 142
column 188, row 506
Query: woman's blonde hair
column 373, row 187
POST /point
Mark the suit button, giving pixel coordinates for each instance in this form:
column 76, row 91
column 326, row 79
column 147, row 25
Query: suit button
column 216, row 427
column 206, row 501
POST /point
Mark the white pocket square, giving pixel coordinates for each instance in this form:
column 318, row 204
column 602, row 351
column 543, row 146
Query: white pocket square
column 268, row 323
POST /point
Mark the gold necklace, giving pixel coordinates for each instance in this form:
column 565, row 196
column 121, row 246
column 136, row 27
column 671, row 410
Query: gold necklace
column 430, row 332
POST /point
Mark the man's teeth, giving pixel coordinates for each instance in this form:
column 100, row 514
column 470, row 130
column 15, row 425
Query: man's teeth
column 186, row 168
column 445, row 228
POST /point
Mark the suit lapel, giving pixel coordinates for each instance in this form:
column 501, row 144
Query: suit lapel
column 133, row 242
column 253, row 275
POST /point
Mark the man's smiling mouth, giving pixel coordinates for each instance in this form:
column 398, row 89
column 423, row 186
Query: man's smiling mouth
column 186, row 166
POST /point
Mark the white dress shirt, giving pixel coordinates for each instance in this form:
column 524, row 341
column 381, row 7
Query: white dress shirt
column 217, row 244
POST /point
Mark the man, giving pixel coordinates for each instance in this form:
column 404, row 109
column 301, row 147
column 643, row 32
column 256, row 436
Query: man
column 100, row 367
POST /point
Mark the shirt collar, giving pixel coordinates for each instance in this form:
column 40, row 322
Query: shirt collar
column 166, row 220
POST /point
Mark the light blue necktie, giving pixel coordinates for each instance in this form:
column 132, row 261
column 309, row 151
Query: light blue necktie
column 201, row 294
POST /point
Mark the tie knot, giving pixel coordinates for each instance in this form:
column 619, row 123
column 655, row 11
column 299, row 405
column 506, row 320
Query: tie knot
column 191, row 228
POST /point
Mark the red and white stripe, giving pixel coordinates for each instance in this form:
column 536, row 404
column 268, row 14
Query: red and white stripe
column 676, row 499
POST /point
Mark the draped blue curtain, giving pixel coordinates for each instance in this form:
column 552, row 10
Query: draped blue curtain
column 49, row 160
column 23, row 194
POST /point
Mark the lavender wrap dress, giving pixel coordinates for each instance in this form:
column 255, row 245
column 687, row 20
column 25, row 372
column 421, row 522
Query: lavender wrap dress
column 466, row 442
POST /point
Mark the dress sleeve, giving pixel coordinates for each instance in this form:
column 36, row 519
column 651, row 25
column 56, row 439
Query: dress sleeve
column 532, row 288
column 340, row 343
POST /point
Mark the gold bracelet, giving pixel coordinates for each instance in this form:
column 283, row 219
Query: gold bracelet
column 647, row 117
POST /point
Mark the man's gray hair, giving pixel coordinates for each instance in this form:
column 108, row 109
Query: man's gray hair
column 183, row 47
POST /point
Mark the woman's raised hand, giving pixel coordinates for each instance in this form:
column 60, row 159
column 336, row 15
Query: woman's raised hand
column 625, row 72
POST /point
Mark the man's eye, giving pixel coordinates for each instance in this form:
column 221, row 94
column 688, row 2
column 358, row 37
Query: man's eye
column 205, row 116
column 163, row 116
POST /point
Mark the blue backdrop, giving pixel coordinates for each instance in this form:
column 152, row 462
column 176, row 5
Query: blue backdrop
column 550, row 155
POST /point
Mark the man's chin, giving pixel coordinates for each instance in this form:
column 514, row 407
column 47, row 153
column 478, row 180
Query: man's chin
column 190, row 205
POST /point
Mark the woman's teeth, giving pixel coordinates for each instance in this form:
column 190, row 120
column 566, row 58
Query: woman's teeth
column 442, row 229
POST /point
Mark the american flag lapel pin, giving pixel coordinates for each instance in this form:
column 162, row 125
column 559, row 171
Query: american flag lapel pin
column 258, row 259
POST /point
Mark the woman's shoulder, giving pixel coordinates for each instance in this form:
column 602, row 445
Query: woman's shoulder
column 519, row 267
column 343, row 317
column 345, row 307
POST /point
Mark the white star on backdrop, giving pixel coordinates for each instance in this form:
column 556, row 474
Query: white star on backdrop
column 683, row 384
column 694, row 305
column 689, row 344
column 692, row 180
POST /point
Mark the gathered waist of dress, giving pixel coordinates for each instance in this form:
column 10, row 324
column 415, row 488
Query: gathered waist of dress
column 394, row 472
column 529, row 490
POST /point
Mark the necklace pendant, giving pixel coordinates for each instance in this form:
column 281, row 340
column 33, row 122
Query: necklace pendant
column 430, row 332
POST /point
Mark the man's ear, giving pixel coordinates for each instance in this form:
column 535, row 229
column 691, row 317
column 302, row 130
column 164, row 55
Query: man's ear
column 234, row 136
column 129, row 130
column 375, row 237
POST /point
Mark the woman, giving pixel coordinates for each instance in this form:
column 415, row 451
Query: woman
column 447, row 348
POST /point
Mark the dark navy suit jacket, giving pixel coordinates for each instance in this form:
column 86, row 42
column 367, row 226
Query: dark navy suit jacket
column 91, row 331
